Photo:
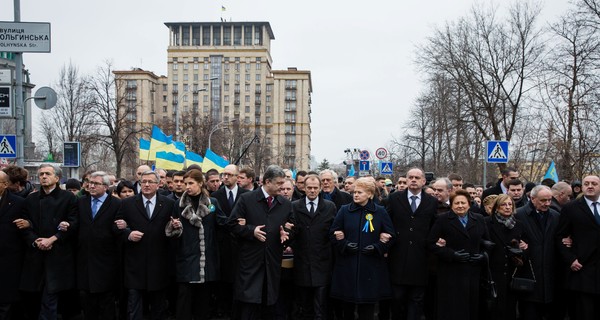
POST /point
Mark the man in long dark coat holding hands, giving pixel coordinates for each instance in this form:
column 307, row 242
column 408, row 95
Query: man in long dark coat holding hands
column 258, row 220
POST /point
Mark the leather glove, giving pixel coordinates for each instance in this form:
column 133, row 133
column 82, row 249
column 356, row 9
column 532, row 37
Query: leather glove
column 488, row 245
column 351, row 247
column 461, row 256
column 476, row 258
column 369, row 250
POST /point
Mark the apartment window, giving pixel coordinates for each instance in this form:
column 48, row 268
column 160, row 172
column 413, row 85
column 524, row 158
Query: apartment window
column 247, row 109
column 175, row 77
column 226, row 108
column 164, row 87
column 227, row 36
column 217, row 36
column 206, row 66
column 257, row 77
column 247, row 87
column 205, row 98
column 205, row 109
column 196, row 77
column 164, row 109
column 186, row 87
column 226, row 77
column 205, row 77
column 247, row 77
column 268, row 109
column 268, row 98
column 247, row 98
column 185, row 66
column 247, row 120
column 175, row 65
column 226, row 98
column 247, row 67
column 247, row 35
column 258, row 65
column 269, row 87
column 226, row 87
column 196, row 66
column 258, row 36
column 237, row 36
column 237, row 67
column 237, row 77
column 257, row 98
column 185, row 77
column 268, row 120
column 164, row 98
column 206, row 36
column 227, row 67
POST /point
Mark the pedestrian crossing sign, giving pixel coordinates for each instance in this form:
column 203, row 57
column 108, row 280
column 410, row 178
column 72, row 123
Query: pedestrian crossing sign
column 497, row 151
column 386, row 168
column 8, row 146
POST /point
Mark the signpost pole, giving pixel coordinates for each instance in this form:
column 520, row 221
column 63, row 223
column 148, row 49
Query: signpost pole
column 19, row 125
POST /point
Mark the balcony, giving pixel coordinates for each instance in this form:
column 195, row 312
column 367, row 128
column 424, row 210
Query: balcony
column 257, row 103
column 257, row 91
column 131, row 86
column 290, row 98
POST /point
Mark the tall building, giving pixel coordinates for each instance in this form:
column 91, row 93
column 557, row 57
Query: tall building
column 220, row 76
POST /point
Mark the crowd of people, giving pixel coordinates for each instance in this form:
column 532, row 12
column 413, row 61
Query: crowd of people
column 200, row 245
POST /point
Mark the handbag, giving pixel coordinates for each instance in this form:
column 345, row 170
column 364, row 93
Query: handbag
column 523, row 284
column 489, row 287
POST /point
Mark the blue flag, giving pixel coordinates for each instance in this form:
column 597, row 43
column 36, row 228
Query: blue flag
column 551, row 173
column 351, row 172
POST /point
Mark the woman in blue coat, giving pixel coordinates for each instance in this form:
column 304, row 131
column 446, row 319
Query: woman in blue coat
column 361, row 233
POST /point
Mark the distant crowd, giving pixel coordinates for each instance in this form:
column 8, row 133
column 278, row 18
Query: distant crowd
column 219, row 245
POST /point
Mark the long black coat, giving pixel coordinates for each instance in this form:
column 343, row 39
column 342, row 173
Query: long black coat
column 358, row 277
column 54, row 268
column 227, row 243
column 458, row 282
column 147, row 261
column 97, row 250
column 11, row 247
column 502, row 266
column 542, row 253
column 313, row 255
column 577, row 220
column 409, row 254
column 189, row 248
column 257, row 259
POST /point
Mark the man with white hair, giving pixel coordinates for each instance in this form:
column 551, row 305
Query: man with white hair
column 330, row 190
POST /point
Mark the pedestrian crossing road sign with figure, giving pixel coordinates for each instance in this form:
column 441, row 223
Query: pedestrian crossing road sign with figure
column 8, row 146
column 497, row 151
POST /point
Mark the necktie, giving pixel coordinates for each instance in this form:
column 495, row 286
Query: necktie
column 312, row 208
column 463, row 220
column 148, row 212
column 230, row 199
column 270, row 201
column 95, row 203
column 596, row 214
column 413, row 203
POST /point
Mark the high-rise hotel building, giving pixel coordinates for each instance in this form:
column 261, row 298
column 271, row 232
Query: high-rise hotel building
column 223, row 70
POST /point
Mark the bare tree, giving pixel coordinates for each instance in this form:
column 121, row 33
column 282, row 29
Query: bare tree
column 117, row 129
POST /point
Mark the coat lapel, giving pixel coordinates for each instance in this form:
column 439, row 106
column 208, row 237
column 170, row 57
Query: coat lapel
column 139, row 203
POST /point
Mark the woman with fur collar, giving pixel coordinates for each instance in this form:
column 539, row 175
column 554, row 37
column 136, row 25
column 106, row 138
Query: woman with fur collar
column 197, row 254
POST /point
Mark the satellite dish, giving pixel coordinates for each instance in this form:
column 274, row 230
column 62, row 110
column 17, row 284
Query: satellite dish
column 45, row 98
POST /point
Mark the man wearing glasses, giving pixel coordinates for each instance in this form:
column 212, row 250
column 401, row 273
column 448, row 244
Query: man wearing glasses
column 146, row 249
column 97, row 255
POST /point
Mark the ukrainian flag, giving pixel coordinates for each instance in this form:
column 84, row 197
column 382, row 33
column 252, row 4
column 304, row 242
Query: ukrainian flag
column 169, row 161
column 176, row 147
column 159, row 141
column 144, row 149
column 551, row 173
column 193, row 158
column 213, row 161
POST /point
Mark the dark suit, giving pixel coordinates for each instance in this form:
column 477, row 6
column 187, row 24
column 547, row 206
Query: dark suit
column 577, row 220
column 313, row 255
column 408, row 257
column 227, row 251
column 458, row 282
column 147, row 261
column 52, row 271
column 259, row 268
column 97, row 257
column 11, row 251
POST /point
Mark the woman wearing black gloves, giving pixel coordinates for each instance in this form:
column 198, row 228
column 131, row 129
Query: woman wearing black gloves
column 506, row 233
column 361, row 233
column 460, row 259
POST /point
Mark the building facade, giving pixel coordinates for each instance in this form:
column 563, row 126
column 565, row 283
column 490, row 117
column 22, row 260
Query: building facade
column 220, row 77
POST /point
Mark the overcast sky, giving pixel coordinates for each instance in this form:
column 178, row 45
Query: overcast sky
column 360, row 53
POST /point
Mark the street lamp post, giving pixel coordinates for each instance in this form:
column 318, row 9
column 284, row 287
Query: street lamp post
column 216, row 128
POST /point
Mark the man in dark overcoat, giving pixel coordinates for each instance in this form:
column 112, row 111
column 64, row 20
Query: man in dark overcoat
column 408, row 256
column 580, row 219
column 49, row 265
column 258, row 221
column 227, row 197
column 539, row 222
column 330, row 191
column 97, row 251
column 11, row 248
column 146, row 247
column 313, row 255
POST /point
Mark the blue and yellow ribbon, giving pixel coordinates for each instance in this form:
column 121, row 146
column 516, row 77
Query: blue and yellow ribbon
column 368, row 224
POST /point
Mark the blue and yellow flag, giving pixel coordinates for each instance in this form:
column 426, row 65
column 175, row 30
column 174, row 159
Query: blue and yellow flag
column 193, row 158
column 551, row 173
column 169, row 161
column 176, row 147
column 213, row 161
column 159, row 141
column 144, row 149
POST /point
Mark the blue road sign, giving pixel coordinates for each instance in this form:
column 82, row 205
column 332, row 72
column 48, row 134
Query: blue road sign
column 8, row 146
column 497, row 151
column 364, row 155
column 363, row 165
column 386, row 168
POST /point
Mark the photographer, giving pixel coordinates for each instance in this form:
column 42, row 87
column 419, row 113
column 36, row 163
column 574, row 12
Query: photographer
column 507, row 254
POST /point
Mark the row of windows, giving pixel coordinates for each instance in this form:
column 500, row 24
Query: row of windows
column 217, row 35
